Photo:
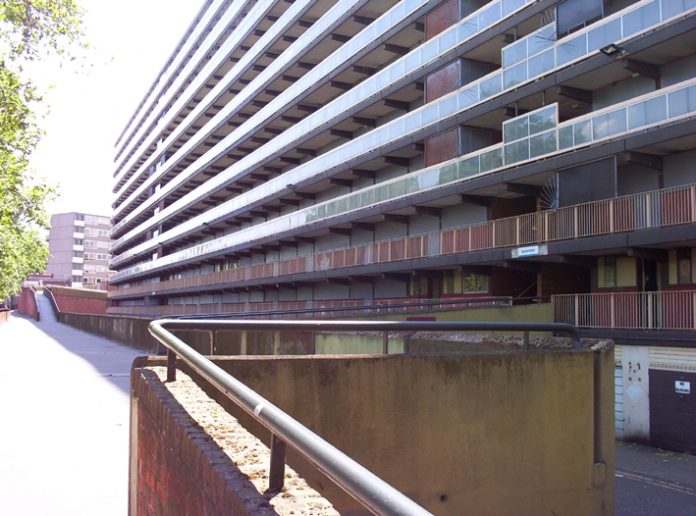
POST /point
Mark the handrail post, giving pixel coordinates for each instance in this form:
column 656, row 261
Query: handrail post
column 276, row 473
column 385, row 343
column 171, row 365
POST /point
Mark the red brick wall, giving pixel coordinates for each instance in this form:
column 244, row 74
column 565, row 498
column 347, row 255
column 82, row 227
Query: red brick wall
column 27, row 304
column 176, row 469
column 80, row 305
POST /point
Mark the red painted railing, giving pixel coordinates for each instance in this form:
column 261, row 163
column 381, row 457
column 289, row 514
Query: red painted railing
column 658, row 208
column 666, row 310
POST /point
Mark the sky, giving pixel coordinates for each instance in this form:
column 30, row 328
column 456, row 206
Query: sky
column 130, row 40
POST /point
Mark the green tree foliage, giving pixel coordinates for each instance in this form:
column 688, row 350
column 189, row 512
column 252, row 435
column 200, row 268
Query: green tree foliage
column 29, row 30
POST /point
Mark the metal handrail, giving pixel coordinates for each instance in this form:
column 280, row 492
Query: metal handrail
column 373, row 492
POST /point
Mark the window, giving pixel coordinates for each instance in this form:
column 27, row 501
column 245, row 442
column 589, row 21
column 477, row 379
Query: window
column 457, row 282
column 683, row 265
column 418, row 287
column 78, row 254
column 78, row 241
column 610, row 271
column 77, row 279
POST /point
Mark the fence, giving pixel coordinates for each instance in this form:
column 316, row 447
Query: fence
column 666, row 310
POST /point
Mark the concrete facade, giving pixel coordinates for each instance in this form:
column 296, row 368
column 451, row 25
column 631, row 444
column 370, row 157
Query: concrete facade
column 79, row 246
column 375, row 152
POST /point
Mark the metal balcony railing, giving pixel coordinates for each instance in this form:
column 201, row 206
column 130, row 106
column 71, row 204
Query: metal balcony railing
column 665, row 310
column 657, row 208
column 374, row 493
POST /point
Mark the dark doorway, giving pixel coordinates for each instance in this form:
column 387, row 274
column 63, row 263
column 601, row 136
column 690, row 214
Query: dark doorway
column 649, row 276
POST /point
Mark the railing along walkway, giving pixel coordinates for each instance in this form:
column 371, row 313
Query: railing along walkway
column 664, row 310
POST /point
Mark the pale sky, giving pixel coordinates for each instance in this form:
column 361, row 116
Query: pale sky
column 130, row 42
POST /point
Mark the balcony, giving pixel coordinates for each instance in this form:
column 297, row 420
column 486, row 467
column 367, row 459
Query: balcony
column 665, row 310
column 654, row 209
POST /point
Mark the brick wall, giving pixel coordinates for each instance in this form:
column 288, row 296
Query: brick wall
column 80, row 301
column 176, row 469
column 27, row 304
column 81, row 305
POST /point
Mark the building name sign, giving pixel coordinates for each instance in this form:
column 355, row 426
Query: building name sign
column 682, row 387
column 530, row 250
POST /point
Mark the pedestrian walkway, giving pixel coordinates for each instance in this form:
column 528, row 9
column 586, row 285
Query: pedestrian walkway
column 64, row 396
column 651, row 481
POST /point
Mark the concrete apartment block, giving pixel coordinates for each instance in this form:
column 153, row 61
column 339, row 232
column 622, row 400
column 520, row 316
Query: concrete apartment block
column 332, row 154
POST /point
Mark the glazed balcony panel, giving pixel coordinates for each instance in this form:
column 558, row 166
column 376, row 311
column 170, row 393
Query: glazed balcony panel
column 419, row 120
column 151, row 98
column 161, row 97
column 654, row 209
column 402, row 71
column 286, row 20
column 663, row 310
column 404, row 10
column 485, row 161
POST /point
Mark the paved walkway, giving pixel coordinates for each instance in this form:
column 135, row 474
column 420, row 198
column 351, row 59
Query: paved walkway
column 650, row 481
column 64, row 397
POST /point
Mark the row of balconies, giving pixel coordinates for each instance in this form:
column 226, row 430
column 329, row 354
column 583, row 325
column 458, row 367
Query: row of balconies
column 655, row 209
column 573, row 134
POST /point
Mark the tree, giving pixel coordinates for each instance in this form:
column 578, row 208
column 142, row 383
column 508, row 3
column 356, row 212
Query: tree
column 29, row 30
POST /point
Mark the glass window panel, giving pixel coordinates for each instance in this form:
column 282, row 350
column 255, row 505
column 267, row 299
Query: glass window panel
column 491, row 86
column 447, row 40
column 396, row 189
column 467, row 28
column 468, row 167
column 682, row 101
column 516, row 128
column 582, row 132
column 518, row 151
column 489, row 16
column 491, row 159
column 541, row 39
column 411, row 184
column 511, row 5
column 609, row 124
column 565, row 137
column 514, row 53
column 448, row 173
column 429, row 178
column 541, row 63
column 571, row 49
column 673, row 7
column 468, row 97
column 367, row 198
column 542, row 120
column 515, row 75
column 637, row 20
column 604, row 34
column 647, row 112
column 542, row 144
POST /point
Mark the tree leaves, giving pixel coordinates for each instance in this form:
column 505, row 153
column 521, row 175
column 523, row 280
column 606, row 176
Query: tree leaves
column 29, row 30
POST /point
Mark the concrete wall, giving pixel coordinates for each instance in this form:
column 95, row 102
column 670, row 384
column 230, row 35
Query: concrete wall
column 513, row 433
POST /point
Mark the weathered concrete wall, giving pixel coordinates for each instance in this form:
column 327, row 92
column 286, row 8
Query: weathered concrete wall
column 510, row 433
column 27, row 303
column 80, row 301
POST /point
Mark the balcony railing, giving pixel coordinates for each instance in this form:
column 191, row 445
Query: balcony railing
column 657, row 208
column 665, row 310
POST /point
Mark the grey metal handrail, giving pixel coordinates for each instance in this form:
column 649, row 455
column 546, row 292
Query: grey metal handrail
column 374, row 493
